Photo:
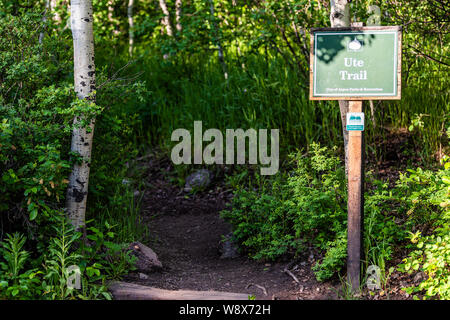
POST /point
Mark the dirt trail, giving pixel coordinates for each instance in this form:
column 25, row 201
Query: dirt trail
column 185, row 232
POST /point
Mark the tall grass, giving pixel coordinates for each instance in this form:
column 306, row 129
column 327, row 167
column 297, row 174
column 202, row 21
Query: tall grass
column 269, row 94
column 263, row 95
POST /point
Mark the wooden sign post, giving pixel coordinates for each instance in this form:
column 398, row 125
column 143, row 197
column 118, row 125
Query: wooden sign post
column 355, row 200
column 355, row 64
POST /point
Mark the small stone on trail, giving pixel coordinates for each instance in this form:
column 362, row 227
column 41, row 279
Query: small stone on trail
column 143, row 276
column 147, row 260
column 228, row 248
column 199, row 179
column 419, row 277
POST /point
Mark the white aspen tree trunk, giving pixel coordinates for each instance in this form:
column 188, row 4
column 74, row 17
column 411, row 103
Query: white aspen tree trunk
column 84, row 81
column 111, row 16
column 44, row 20
column 340, row 17
column 178, row 5
column 110, row 11
column 340, row 13
column 53, row 5
column 218, row 42
column 130, row 27
column 374, row 20
column 50, row 9
column 166, row 19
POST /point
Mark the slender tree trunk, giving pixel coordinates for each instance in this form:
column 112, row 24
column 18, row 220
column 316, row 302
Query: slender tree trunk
column 50, row 10
column 130, row 27
column 340, row 17
column 84, row 81
column 166, row 19
column 110, row 11
column 111, row 18
column 44, row 21
column 178, row 6
column 217, row 39
column 374, row 20
column 53, row 5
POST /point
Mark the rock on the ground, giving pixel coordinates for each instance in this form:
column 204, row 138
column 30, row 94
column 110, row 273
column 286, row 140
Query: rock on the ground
column 147, row 260
column 199, row 179
column 143, row 276
column 419, row 277
column 228, row 248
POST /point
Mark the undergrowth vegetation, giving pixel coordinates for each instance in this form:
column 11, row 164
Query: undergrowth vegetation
column 37, row 106
column 306, row 208
column 167, row 82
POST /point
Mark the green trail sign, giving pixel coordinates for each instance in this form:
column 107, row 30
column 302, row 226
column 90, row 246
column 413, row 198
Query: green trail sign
column 358, row 63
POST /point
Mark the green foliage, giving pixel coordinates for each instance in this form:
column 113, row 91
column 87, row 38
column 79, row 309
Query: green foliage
column 306, row 208
column 265, row 45
column 430, row 196
column 334, row 258
column 96, row 261
column 13, row 253
column 37, row 107
column 116, row 258
column 35, row 129
column 58, row 260
column 15, row 284
column 433, row 258
column 100, row 260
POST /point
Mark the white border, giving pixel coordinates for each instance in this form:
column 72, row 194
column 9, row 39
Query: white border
column 315, row 94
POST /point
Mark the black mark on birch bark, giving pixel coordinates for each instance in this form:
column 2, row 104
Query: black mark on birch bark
column 78, row 195
column 81, row 183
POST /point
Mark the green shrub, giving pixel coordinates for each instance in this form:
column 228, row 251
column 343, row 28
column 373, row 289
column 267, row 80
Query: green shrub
column 306, row 208
column 429, row 196
column 35, row 127
column 37, row 107
column 15, row 284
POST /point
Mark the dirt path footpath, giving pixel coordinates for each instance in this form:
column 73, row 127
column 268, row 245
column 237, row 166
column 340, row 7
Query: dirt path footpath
column 185, row 232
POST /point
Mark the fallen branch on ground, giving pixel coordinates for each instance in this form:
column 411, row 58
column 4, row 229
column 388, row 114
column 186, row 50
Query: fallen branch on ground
column 286, row 270
column 258, row 286
column 131, row 291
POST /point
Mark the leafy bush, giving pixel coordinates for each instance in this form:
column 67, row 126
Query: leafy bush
column 334, row 258
column 432, row 256
column 35, row 127
column 95, row 261
column 307, row 208
column 430, row 195
column 13, row 282
column 37, row 107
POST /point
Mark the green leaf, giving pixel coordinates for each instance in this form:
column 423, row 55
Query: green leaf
column 33, row 214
